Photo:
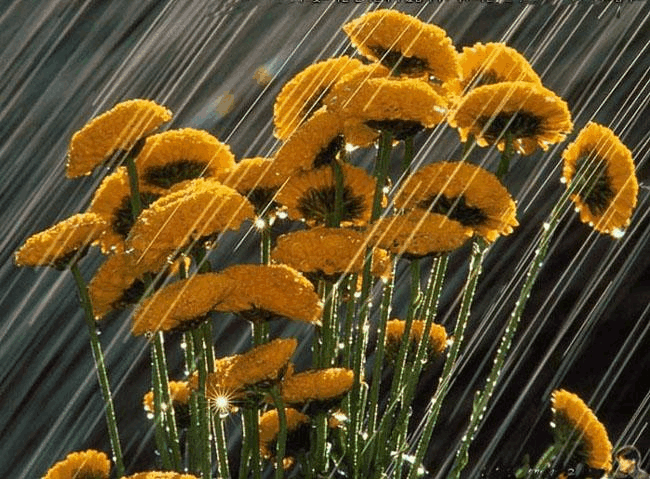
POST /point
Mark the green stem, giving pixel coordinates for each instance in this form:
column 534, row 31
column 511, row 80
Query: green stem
column 219, row 433
column 136, row 205
column 339, row 181
column 387, row 298
column 100, row 367
column 162, row 439
column 204, row 446
column 482, row 399
column 506, row 156
column 479, row 248
column 282, row 432
column 409, row 154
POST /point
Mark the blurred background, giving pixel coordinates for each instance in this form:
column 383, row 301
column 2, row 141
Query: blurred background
column 218, row 65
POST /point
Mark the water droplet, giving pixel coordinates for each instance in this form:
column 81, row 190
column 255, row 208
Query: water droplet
column 546, row 226
column 183, row 345
column 617, row 233
column 563, row 180
column 150, row 415
column 576, row 209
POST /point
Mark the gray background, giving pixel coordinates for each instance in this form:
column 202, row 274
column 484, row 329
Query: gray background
column 63, row 62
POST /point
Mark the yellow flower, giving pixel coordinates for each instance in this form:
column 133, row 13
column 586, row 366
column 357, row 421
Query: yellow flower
column 329, row 252
column 85, row 464
column 63, row 243
column 178, row 155
column 181, row 305
column 112, row 201
column 435, row 345
column 261, row 365
column 574, row 421
column 259, row 292
column 179, row 393
column 316, row 143
column 418, row 233
column 311, row 196
column 201, row 209
column 304, row 93
column 403, row 106
column 463, row 192
column 531, row 114
column 489, row 63
column 270, row 426
column 404, row 44
column 254, row 178
column 321, row 385
column 116, row 130
column 160, row 475
column 607, row 187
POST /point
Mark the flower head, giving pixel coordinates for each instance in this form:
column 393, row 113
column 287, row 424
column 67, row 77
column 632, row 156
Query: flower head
column 489, row 63
column 112, row 201
column 88, row 464
column 607, row 188
column 404, row 44
column 400, row 105
column 258, row 367
column 303, row 94
column 316, row 143
column 435, row 344
column 181, row 305
column 311, row 196
column 203, row 208
column 319, row 385
column 418, row 233
column 259, row 292
column 532, row 115
column 63, row 243
column 116, row 130
column 255, row 179
column 576, row 424
column 297, row 428
column 463, row 192
column 179, row 155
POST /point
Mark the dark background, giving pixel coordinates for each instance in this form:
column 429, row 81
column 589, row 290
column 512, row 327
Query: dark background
column 586, row 325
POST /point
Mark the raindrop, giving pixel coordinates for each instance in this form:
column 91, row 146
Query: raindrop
column 617, row 233
column 563, row 180
column 546, row 226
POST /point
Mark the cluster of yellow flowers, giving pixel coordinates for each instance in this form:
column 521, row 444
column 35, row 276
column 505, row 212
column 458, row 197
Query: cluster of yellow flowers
column 156, row 218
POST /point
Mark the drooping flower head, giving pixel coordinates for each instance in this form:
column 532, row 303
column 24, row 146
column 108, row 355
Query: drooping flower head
column 463, row 192
column 179, row 393
column 403, row 106
column 179, row 155
column 63, row 243
column 418, row 233
column 311, row 196
column 117, row 130
column 297, row 429
column 202, row 209
column 606, row 193
column 532, row 115
column 259, row 292
column 489, row 63
column 88, row 464
column 255, row 179
column 303, row 95
column 120, row 282
column 316, row 143
column 181, row 305
column 578, row 430
column 112, row 201
column 404, row 44
column 435, row 343
column 329, row 252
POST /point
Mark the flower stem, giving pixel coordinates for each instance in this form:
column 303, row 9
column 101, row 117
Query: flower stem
column 409, row 154
column 506, row 156
column 219, row 433
column 482, row 398
column 136, row 205
column 479, row 248
column 204, row 447
column 100, row 367
column 282, row 432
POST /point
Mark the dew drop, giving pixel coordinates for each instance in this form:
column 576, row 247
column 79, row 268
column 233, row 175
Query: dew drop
column 617, row 233
column 546, row 226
